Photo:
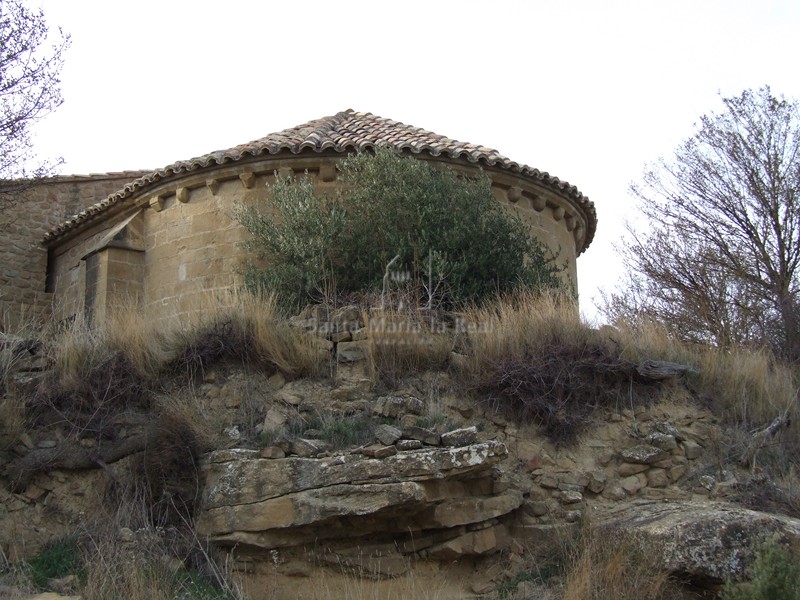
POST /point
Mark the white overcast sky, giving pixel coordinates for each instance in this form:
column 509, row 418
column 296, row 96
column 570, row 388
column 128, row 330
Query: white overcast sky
column 587, row 90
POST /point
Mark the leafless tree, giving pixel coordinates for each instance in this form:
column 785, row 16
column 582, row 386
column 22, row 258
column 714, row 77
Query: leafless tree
column 719, row 259
column 31, row 59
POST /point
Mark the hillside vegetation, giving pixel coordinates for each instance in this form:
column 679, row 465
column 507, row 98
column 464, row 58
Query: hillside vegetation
column 105, row 395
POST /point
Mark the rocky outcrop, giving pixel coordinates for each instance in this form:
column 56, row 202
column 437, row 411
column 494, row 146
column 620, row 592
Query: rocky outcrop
column 706, row 541
column 434, row 502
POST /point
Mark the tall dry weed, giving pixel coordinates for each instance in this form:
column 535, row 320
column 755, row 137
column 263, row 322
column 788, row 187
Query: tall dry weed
column 520, row 324
column 403, row 342
column 605, row 565
column 238, row 325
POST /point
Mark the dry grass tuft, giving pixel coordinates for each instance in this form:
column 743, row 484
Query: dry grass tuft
column 519, row 325
column 245, row 328
column 403, row 342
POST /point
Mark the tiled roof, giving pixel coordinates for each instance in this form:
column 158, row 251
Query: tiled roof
column 344, row 132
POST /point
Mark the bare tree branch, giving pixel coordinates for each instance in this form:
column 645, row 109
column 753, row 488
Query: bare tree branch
column 31, row 58
column 720, row 260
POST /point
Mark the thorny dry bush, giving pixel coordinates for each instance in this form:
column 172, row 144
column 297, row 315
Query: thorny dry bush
column 559, row 387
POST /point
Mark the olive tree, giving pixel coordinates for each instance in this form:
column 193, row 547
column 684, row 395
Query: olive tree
column 719, row 258
column 444, row 233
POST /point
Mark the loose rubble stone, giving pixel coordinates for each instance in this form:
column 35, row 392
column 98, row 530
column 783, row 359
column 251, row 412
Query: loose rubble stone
column 628, row 469
column 657, row 478
column 677, row 472
column 394, row 406
column 570, row 497
column 706, row 540
column 349, row 352
column 308, row 448
column 379, row 451
column 572, row 516
column 408, row 444
column 693, row 450
column 662, row 440
column 460, row 437
column 426, row 436
column 597, row 482
column 125, row 535
column 631, row 484
column 669, row 429
column 644, row 454
column 272, row 452
column 387, row 435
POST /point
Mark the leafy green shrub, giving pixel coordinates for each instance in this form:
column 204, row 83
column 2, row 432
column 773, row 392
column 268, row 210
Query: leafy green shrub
column 776, row 576
column 57, row 559
column 453, row 240
column 345, row 431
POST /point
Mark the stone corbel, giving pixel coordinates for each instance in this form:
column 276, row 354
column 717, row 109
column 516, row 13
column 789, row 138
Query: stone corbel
column 213, row 186
column 558, row 213
column 579, row 234
column 538, row 203
column 157, row 203
column 327, row 172
column 285, row 173
column 514, row 194
column 248, row 179
column 570, row 221
column 182, row 194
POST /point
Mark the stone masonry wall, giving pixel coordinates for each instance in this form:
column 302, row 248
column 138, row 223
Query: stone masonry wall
column 23, row 259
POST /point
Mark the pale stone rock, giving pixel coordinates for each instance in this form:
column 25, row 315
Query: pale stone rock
column 387, row 434
column 277, row 381
column 570, row 497
column 34, row 492
column 631, row 484
column 657, row 478
column 548, row 482
column 643, row 454
column 287, row 502
column 614, row 492
column 628, row 469
column 572, row 516
column 340, row 336
column 394, row 406
column 272, row 452
column 576, row 479
column 491, row 539
column 47, row 444
column 536, row 508
column 692, row 450
column 597, row 481
column 426, row 436
column 707, row 482
column 237, row 476
column 460, row 437
column 662, row 440
column 408, row 421
column 677, row 472
column 669, row 429
column 348, row 352
column 711, row 541
column 408, row 445
column 274, row 418
column 308, row 448
column 474, row 510
column 379, row 451
column 125, row 535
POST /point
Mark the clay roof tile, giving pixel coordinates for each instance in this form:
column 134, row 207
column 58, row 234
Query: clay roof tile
column 343, row 132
